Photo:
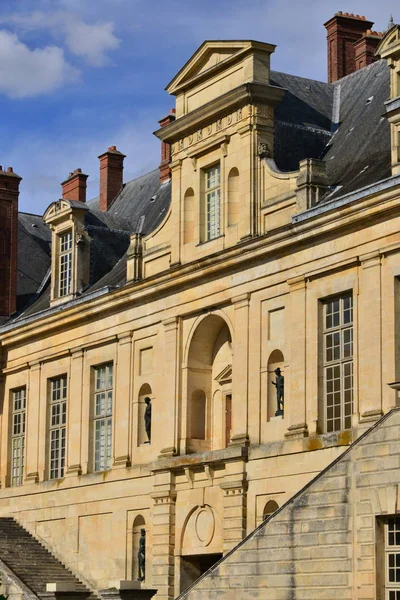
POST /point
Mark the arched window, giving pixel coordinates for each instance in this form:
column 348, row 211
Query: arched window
column 188, row 219
column 144, row 392
column 233, row 197
column 269, row 508
column 138, row 524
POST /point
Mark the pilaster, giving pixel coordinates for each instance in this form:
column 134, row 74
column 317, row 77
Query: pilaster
column 163, row 535
column 32, row 424
column 370, row 335
column 74, row 428
column 295, row 381
column 169, row 408
column 240, row 368
column 234, row 488
column 122, row 403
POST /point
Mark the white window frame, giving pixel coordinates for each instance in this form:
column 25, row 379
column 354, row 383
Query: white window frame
column 337, row 362
column 212, row 202
column 18, row 427
column 392, row 558
column 102, row 416
column 65, row 264
column 57, row 426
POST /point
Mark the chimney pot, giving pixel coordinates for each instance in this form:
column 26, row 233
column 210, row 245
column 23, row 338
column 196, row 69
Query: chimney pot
column 10, row 170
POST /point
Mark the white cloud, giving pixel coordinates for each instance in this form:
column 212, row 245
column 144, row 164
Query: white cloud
column 25, row 72
column 90, row 41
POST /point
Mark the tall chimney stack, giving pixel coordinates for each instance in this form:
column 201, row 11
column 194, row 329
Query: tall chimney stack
column 165, row 171
column 74, row 187
column 9, row 192
column 342, row 31
column 364, row 48
column 111, row 176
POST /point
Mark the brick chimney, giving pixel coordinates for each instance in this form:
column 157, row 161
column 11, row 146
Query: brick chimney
column 342, row 31
column 165, row 171
column 111, row 176
column 364, row 49
column 9, row 192
column 74, row 187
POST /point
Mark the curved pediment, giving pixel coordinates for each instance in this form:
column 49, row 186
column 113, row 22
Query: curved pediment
column 60, row 208
column 389, row 47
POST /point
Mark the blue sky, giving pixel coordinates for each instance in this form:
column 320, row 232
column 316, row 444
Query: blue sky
column 77, row 76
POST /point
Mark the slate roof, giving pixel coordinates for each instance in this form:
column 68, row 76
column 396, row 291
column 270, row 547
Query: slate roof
column 341, row 123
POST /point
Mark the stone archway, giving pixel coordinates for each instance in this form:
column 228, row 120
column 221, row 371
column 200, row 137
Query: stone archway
column 209, row 356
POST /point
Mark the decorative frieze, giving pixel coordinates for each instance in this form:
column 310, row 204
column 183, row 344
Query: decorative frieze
column 203, row 133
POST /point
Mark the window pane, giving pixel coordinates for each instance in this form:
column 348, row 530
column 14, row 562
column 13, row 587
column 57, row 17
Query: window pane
column 103, row 404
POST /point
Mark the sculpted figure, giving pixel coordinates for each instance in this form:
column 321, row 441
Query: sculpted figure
column 147, row 418
column 279, row 384
column 142, row 556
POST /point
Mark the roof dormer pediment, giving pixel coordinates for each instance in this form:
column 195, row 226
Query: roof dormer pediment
column 389, row 47
column 62, row 209
column 213, row 57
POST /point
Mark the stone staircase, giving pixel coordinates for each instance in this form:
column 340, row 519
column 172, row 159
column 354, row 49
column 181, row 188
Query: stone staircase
column 31, row 562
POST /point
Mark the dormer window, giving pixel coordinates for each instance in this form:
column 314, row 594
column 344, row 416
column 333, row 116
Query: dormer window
column 213, row 202
column 65, row 264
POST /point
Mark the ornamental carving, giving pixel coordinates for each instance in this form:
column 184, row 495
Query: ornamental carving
column 263, row 150
column 199, row 135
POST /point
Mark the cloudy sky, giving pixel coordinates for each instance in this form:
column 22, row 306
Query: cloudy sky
column 77, row 76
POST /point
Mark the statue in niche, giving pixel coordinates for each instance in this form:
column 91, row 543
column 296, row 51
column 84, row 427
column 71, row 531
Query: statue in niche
column 147, row 418
column 279, row 384
column 142, row 556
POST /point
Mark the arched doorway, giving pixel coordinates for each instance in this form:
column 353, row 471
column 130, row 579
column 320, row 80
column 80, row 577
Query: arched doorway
column 209, row 386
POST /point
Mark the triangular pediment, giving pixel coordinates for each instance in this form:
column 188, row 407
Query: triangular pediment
column 225, row 376
column 211, row 57
column 390, row 44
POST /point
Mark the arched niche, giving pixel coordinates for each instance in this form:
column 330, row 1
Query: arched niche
column 188, row 216
column 138, row 524
column 144, row 392
column 209, row 358
column 269, row 508
column 275, row 360
column 233, row 197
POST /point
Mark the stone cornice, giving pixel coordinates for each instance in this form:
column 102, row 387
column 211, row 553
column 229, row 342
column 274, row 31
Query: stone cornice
column 247, row 93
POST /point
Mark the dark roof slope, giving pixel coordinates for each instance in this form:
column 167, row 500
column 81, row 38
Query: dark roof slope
column 359, row 151
column 140, row 206
column 34, row 247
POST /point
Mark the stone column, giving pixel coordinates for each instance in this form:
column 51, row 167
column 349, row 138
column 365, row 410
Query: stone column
column 32, row 424
column 234, row 502
column 369, row 337
column 74, row 426
column 240, row 369
column 122, row 401
column 295, row 380
column 163, row 535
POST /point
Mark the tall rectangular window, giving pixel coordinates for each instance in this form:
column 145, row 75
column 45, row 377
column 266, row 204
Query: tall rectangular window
column 65, row 264
column 338, row 362
column 103, row 404
column 213, row 202
column 392, row 558
column 18, row 436
column 57, row 427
